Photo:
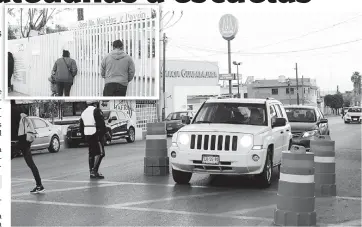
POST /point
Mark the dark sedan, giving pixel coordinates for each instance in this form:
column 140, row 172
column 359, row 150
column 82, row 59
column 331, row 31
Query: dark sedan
column 306, row 122
column 174, row 121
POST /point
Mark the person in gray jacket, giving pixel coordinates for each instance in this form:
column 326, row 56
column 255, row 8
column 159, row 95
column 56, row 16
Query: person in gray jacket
column 64, row 71
column 118, row 70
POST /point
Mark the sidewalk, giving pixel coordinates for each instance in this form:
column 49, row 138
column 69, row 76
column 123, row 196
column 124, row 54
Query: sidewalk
column 16, row 94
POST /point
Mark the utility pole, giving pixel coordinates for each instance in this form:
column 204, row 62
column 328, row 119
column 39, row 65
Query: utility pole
column 229, row 62
column 237, row 73
column 303, row 90
column 290, row 100
column 296, row 75
column 164, row 41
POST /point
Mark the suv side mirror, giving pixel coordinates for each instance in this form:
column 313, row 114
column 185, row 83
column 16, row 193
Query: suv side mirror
column 279, row 122
column 186, row 120
column 324, row 121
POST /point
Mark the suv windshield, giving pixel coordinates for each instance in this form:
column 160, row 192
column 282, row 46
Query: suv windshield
column 301, row 115
column 232, row 113
column 176, row 116
column 355, row 110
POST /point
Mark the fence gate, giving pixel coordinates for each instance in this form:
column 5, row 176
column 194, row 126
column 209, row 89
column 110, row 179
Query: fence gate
column 88, row 42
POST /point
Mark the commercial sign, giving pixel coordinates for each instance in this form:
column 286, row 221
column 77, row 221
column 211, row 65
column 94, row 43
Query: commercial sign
column 117, row 18
column 231, row 76
column 191, row 74
column 228, row 26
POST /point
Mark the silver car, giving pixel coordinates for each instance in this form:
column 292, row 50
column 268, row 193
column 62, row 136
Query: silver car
column 48, row 136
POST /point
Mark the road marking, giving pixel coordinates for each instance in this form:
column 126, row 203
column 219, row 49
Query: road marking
column 245, row 211
column 348, row 223
column 349, row 198
column 69, row 189
column 143, row 209
column 168, row 199
column 155, row 184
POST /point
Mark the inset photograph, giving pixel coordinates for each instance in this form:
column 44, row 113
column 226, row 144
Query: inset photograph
column 89, row 52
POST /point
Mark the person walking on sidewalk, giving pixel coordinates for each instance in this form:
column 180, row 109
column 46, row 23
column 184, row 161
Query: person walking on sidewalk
column 63, row 73
column 118, row 70
column 22, row 131
column 93, row 129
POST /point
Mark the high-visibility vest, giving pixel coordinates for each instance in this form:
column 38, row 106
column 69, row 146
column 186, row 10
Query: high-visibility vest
column 89, row 121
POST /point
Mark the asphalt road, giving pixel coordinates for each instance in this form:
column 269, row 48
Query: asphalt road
column 127, row 197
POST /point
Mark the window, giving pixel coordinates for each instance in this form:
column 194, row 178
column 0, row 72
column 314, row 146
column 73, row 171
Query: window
column 39, row 123
column 121, row 115
column 301, row 114
column 291, row 91
column 274, row 91
column 176, row 116
column 232, row 113
column 354, row 110
column 279, row 111
column 273, row 114
column 113, row 114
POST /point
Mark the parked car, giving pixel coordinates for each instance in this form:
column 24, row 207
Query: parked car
column 231, row 137
column 174, row 121
column 118, row 123
column 48, row 136
column 306, row 122
column 353, row 115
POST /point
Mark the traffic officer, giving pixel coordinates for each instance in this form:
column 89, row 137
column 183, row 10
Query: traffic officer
column 93, row 129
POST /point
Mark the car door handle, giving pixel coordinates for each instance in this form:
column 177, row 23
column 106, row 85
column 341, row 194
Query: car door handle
column 287, row 130
column 281, row 132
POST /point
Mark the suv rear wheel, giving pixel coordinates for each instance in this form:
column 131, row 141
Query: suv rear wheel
column 264, row 179
column 181, row 177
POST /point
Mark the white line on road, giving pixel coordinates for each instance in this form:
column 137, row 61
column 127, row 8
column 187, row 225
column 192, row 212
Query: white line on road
column 348, row 223
column 245, row 211
column 168, row 199
column 153, row 184
column 144, row 209
column 71, row 189
column 349, row 198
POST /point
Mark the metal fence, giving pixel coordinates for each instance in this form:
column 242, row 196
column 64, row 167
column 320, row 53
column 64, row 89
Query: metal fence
column 35, row 56
column 146, row 112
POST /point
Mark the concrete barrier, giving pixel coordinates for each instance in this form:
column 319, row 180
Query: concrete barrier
column 295, row 199
column 325, row 166
column 156, row 161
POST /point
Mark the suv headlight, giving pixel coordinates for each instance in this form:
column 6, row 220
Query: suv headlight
column 246, row 140
column 183, row 138
column 310, row 133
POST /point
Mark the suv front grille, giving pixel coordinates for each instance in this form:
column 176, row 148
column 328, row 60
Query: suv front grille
column 214, row 142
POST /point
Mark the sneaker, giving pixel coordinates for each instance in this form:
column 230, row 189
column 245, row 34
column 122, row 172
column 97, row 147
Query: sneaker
column 38, row 189
column 96, row 176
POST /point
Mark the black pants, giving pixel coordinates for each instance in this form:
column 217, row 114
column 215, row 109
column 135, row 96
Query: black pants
column 96, row 151
column 114, row 89
column 9, row 80
column 63, row 86
column 24, row 147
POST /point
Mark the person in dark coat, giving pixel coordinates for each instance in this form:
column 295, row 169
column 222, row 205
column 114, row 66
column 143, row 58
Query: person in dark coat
column 64, row 71
column 11, row 65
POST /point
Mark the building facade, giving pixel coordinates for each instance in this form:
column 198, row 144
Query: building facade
column 285, row 90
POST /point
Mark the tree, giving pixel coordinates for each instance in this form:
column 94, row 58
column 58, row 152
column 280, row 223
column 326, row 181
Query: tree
column 33, row 19
column 334, row 101
column 11, row 33
column 58, row 28
column 356, row 80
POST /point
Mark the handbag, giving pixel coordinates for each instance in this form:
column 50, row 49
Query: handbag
column 30, row 136
column 70, row 71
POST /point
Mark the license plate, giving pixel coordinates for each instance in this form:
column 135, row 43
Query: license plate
column 211, row 159
column 354, row 119
column 79, row 134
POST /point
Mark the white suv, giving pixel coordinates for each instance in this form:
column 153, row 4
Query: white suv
column 232, row 136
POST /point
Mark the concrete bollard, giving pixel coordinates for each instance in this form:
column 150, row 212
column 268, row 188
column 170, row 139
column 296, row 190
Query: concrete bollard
column 295, row 199
column 156, row 161
column 325, row 166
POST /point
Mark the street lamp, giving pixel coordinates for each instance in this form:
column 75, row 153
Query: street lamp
column 237, row 73
column 288, row 81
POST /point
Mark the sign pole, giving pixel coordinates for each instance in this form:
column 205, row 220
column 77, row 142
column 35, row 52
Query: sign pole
column 229, row 62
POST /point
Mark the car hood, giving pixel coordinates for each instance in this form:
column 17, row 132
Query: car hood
column 225, row 128
column 354, row 114
column 302, row 126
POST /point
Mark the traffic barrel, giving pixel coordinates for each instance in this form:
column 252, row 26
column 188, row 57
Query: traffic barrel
column 325, row 166
column 295, row 199
column 156, row 161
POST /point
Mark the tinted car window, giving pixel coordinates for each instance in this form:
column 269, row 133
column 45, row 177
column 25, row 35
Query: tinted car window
column 232, row 113
column 301, row 115
column 176, row 115
column 39, row 123
column 354, row 110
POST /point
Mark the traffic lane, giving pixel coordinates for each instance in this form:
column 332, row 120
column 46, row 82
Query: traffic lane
column 347, row 139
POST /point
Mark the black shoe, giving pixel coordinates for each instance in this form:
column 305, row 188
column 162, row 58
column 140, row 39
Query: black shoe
column 96, row 176
column 38, row 189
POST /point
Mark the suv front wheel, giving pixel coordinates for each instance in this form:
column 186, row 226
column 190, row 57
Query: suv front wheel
column 264, row 179
column 181, row 177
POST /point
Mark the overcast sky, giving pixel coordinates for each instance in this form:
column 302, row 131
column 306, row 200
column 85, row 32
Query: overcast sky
column 271, row 37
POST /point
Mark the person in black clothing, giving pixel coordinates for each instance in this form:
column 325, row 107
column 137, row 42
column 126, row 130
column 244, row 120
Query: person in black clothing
column 24, row 146
column 11, row 64
column 93, row 129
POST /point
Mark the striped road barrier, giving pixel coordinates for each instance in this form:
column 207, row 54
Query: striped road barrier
column 325, row 166
column 156, row 161
column 295, row 199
